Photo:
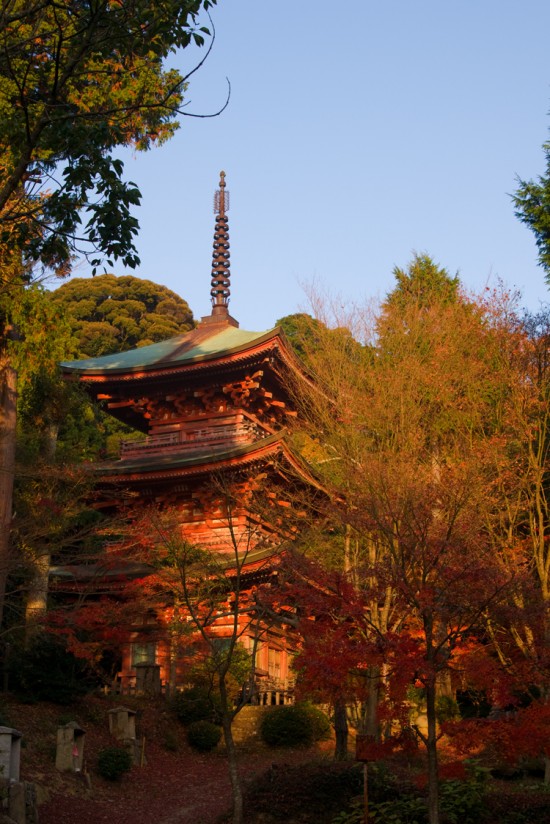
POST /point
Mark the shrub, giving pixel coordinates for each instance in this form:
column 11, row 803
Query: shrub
column 47, row 671
column 112, row 762
column 203, row 735
column 194, row 704
column 312, row 791
column 289, row 726
column 447, row 709
column 4, row 715
column 463, row 801
column 407, row 810
column 319, row 720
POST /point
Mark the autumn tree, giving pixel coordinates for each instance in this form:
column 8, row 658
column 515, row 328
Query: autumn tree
column 201, row 592
column 519, row 528
column 210, row 591
column 403, row 433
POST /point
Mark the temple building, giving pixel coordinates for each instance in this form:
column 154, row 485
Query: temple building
column 212, row 406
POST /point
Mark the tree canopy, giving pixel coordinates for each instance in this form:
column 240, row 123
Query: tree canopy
column 78, row 80
column 532, row 207
column 111, row 314
column 433, row 450
column 421, row 284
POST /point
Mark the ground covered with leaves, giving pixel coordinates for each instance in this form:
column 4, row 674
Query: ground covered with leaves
column 176, row 786
column 282, row 786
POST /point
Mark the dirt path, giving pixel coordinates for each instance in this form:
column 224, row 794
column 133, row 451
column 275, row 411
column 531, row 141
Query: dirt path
column 185, row 788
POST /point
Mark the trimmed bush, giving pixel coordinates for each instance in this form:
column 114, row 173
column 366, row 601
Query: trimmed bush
column 320, row 723
column 203, row 735
column 289, row 726
column 112, row 762
column 295, row 726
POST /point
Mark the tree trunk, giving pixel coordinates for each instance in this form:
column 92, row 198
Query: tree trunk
column 431, row 747
column 546, row 690
column 8, row 419
column 37, row 596
column 431, row 739
column 371, row 710
column 232, row 762
column 50, row 440
column 341, row 731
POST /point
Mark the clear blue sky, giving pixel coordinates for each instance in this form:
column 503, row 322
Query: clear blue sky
column 356, row 133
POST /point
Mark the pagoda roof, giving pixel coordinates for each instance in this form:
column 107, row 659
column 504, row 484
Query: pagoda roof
column 184, row 459
column 209, row 342
column 180, row 463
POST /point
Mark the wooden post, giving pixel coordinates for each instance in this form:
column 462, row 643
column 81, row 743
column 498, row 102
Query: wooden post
column 142, row 757
column 363, row 752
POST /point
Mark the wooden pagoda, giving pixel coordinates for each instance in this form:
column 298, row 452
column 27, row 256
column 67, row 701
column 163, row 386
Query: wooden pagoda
column 213, row 407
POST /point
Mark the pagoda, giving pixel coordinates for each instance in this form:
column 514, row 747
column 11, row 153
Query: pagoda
column 213, row 407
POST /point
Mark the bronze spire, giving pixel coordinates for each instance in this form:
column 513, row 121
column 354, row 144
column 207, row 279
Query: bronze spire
column 220, row 258
column 219, row 287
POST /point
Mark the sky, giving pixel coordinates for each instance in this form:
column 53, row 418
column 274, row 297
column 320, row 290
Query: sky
column 356, row 134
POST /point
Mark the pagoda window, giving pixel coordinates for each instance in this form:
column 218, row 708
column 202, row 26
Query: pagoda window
column 274, row 664
column 143, row 653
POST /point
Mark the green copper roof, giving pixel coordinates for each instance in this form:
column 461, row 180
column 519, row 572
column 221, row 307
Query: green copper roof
column 203, row 343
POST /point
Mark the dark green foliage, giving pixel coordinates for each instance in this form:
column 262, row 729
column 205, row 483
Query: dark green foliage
column 113, row 762
column 310, row 338
column 473, row 704
column 293, row 726
column 303, row 332
column 193, row 704
column 4, row 715
column 87, row 78
column 422, row 284
column 319, row 720
column 287, row 727
column 407, row 810
column 203, row 735
column 461, row 802
column 310, row 792
column 47, row 671
column 108, row 314
column 447, row 708
column 112, row 314
column 510, row 805
column 532, row 207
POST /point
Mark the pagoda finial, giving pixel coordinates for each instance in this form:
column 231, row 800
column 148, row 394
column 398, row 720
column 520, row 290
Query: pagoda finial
column 220, row 258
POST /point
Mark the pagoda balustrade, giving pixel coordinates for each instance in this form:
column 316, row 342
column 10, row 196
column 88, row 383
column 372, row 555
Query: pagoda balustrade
column 195, row 440
column 274, row 692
